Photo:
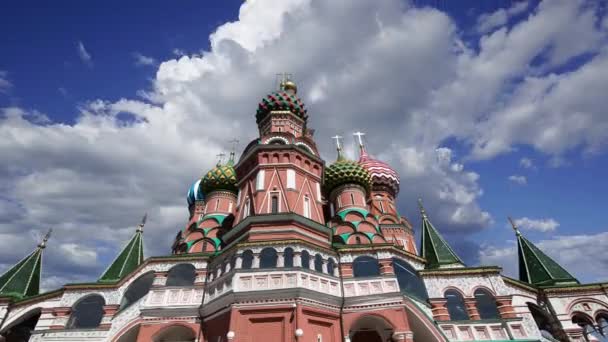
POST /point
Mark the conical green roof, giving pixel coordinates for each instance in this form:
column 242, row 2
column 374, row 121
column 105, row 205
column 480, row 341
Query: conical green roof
column 345, row 171
column 128, row 259
column 221, row 177
column 536, row 267
column 23, row 279
column 434, row 248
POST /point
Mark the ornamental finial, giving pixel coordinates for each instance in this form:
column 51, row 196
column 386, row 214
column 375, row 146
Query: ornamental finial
column 359, row 136
column 514, row 226
column 234, row 143
column 286, row 84
column 220, row 158
column 338, row 146
column 422, row 211
column 46, row 237
column 140, row 226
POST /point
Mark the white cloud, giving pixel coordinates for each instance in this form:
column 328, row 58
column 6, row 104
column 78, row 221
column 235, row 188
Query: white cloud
column 5, row 84
column 143, row 60
column 527, row 163
column 521, row 180
column 488, row 22
column 84, row 55
column 582, row 255
column 542, row 225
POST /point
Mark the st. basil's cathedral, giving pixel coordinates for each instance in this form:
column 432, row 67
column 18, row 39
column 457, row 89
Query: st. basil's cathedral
column 280, row 246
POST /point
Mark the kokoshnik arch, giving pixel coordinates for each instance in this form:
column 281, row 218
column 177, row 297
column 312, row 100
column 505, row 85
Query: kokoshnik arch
column 279, row 246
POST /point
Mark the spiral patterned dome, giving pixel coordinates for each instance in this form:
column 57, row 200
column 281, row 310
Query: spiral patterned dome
column 221, row 177
column 195, row 193
column 382, row 174
column 345, row 171
column 280, row 100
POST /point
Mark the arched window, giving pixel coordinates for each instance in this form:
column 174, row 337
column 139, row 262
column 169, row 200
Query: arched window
column 602, row 323
column 181, row 275
column 175, row 333
column 87, row 313
column 274, row 206
column 247, row 259
column 358, row 240
column 137, row 290
column 455, row 304
column 331, row 266
column 586, row 324
column 486, row 304
column 305, row 257
column 409, row 281
column 318, row 263
column 306, row 207
column 288, row 257
column 268, row 258
column 366, row 266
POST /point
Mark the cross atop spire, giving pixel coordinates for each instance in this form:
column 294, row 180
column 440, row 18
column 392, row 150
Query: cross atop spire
column 514, row 226
column 234, row 143
column 220, row 158
column 422, row 211
column 140, row 226
column 338, row 139
column 359, row 136
column 46, row 237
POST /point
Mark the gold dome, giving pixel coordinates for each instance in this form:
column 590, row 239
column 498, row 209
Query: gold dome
column 289, row 85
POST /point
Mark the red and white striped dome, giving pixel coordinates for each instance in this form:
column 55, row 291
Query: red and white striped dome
column 382, row 173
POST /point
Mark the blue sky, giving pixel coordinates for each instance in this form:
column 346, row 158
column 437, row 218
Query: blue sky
column 487, row 109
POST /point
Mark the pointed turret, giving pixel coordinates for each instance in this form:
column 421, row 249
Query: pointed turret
column 537, row 268
column 434, row 248
column 130, row 257
column 23, row 279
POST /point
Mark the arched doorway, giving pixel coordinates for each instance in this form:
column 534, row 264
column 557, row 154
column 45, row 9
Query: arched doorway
column 21, row 330
column 175, row 333
column 371, row 328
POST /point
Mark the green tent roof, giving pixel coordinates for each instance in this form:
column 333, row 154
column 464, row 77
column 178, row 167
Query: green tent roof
column 128, row 260
column 537, row 268
column 434, row 248
column 23, row 279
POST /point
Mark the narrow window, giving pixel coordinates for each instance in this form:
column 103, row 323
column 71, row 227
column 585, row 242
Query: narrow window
column 246, row 208
column 358, row 240
column 204, row 246
column 381, row 207
column 332, row 211
column 352, row 198
column 230, row 206
column 291, row 179
column 306, row 207
column 217, row 204
column 259, row 184
column 318, row 186
column 274, row 203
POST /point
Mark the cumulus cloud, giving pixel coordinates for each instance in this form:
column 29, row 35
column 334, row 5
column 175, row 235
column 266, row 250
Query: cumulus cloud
column 542, row 225
column 143, row 60
column 526, row 163
column 520, row 180
column 84, row 55
column 416, row 85
column 489, row 21
column 582, row 255
column 5, row 84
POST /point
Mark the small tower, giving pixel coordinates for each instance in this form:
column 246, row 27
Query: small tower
column 434, row 248
column 536, row 267
column 131, row 256
column 23, row 279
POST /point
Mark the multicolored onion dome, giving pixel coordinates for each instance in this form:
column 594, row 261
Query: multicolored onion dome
column 195, row 193
column 345, row 171
column 221, row 177
column 281, row 100
column 382, row 174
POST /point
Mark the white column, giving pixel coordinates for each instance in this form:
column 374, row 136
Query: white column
column 280, row 259
column 256, row 261
column 239, row 262
column 324, row 269
column 297, row 259
column 227, row 266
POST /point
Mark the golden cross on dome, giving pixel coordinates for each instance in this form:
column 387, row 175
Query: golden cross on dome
column 220, row 156
column 282, row 78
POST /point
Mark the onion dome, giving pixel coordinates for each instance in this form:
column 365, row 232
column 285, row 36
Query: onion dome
column 345, row 171
column 221, row 177
column 195, row 193
column 382, row 174
column 285, row 99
